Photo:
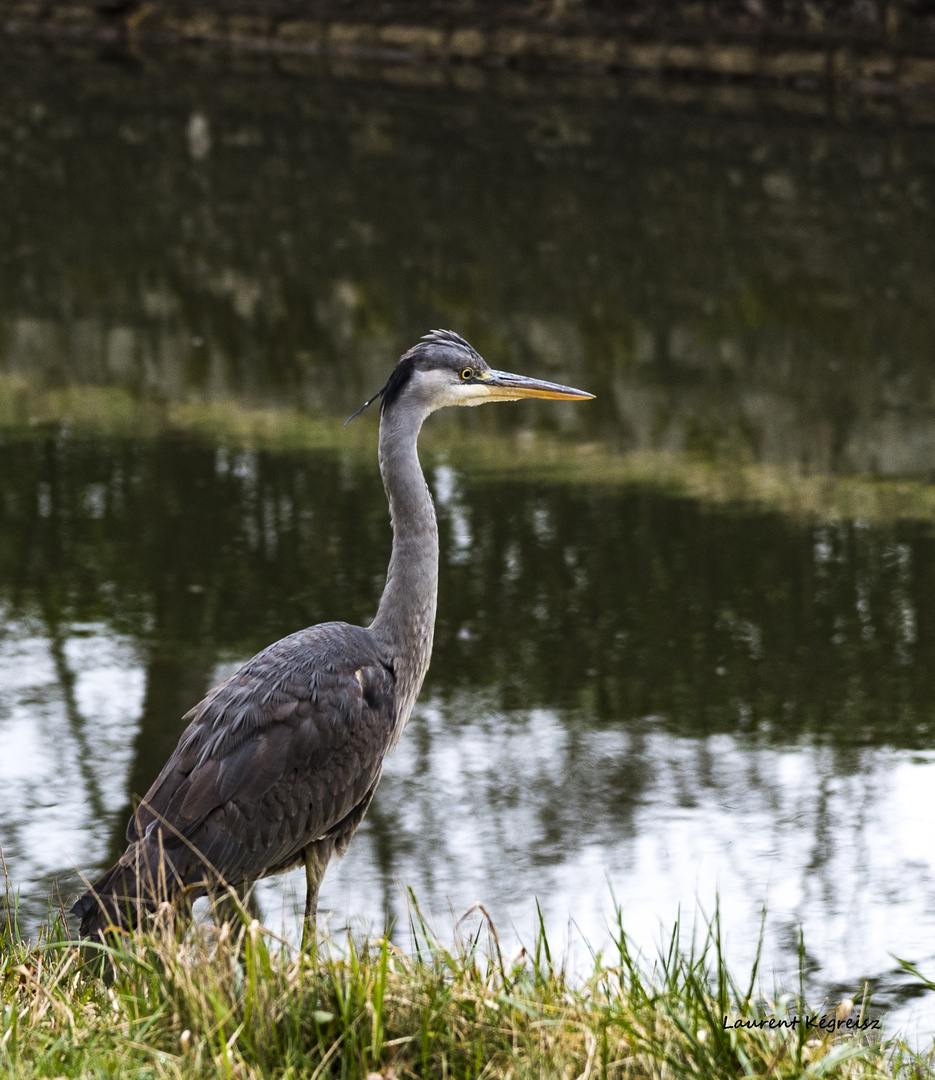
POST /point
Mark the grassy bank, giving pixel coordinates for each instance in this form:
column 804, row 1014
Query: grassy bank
column 235, row 1002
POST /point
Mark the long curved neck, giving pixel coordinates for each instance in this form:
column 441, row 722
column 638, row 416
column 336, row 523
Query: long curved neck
column 405, row 620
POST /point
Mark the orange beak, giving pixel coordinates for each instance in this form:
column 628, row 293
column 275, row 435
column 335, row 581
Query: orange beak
column 506, row 386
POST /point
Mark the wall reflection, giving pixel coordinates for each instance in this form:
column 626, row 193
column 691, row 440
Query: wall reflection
column 725, row 286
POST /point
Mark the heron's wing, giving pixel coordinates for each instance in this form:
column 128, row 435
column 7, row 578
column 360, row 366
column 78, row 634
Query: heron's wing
column 275, row 757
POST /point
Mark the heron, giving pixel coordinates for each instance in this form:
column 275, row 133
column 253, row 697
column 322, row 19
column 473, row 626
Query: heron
column 279, row 763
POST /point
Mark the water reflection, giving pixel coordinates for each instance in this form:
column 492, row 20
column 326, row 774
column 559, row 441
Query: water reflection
column 626, row 687
column 733, row 287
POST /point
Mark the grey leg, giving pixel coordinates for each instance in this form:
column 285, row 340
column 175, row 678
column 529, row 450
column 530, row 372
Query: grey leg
column 317, row 856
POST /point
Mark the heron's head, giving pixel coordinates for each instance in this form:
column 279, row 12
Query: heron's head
column 443, row 369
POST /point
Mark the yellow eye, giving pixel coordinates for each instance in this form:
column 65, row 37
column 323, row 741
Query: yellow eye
column 467, row 373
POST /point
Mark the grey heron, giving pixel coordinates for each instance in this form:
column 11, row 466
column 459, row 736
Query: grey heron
column 278, row 764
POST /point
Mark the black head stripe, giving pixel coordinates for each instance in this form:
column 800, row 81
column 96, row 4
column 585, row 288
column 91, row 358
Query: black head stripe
column 423, row 353
column 394, row 384
column 402, row 373
column 366, row 405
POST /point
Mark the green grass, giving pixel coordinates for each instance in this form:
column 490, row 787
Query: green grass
column 235, row 1001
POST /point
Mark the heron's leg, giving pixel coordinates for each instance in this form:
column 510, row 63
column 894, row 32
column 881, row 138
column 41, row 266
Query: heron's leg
column 317, row 856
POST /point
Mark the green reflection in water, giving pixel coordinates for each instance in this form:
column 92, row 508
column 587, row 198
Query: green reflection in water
column 735, row 288
column 615, row 603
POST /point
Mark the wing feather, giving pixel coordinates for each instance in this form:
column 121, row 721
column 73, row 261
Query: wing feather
column 273, row 758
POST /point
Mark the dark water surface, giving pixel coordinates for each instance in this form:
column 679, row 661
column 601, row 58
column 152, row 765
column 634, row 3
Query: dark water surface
column 635, row 688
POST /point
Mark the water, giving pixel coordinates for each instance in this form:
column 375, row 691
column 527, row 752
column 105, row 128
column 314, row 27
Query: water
column 681, row 653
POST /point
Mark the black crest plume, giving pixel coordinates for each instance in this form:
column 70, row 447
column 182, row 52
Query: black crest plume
column 407, row 363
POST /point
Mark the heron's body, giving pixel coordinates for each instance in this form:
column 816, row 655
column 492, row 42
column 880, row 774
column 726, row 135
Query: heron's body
column 279, row 763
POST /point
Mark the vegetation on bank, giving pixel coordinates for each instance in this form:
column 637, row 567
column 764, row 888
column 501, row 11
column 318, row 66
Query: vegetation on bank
column 726, row 475
column 234, row 1001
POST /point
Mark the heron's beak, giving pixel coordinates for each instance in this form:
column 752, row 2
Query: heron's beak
column 506, row 386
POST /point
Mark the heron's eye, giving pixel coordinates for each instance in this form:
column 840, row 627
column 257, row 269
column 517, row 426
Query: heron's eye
column 467, row 373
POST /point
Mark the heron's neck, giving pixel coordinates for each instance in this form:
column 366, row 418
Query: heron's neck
column 405, row 620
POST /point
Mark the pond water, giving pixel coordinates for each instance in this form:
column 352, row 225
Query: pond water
column 684, row 647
